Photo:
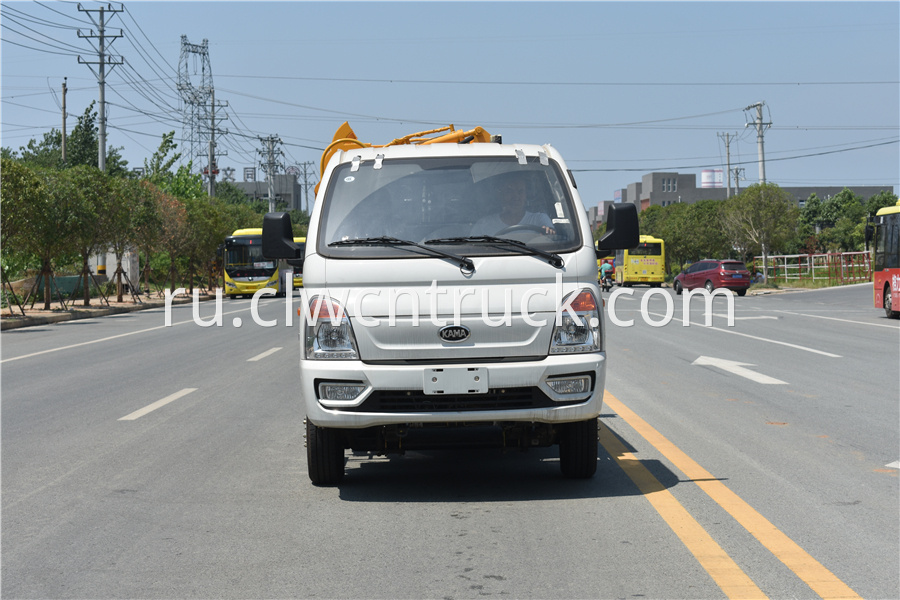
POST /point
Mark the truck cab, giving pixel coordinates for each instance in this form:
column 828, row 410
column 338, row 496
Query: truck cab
column 450, row 299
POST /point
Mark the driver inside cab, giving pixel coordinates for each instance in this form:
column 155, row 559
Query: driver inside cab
column 513, row 196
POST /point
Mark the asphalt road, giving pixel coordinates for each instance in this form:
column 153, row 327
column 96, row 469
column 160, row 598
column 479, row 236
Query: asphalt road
column 146, row 461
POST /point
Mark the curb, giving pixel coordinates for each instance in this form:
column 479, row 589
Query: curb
column 17, row 322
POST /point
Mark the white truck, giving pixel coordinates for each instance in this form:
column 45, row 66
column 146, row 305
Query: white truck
column 450, row 299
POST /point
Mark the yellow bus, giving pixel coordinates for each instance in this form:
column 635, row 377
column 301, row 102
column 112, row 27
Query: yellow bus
column 645, row 263
column 246, row 269
column 297, row 263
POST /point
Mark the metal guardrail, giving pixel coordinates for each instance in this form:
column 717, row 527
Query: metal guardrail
column 835, row 267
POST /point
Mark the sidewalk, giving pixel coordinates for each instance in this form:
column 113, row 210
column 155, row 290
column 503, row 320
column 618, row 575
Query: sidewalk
column 76, row 310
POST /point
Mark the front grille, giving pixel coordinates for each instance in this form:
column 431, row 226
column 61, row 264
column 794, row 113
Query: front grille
column 417, row 401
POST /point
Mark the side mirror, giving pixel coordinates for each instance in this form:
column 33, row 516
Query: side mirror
column 278, row 237
column 622, row 230
column 870, row 232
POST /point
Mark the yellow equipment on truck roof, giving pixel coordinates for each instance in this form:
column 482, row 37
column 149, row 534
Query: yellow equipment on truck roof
column 345, row 139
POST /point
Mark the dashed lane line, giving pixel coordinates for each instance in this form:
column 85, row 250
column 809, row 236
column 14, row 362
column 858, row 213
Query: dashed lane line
column 263, row 355
column 158, row 404
column 837, row 319
column 755, row 337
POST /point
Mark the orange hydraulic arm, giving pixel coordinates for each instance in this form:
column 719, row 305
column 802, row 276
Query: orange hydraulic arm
column 345, row 139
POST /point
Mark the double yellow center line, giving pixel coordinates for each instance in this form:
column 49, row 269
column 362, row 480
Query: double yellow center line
column 724, row 571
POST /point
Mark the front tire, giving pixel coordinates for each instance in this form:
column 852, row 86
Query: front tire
column 324, row 455
column 888, row 303
column 678, row 288
column 709, row 287
column 578, row 449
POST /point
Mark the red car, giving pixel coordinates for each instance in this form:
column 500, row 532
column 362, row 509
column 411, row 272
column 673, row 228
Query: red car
column 713, row 274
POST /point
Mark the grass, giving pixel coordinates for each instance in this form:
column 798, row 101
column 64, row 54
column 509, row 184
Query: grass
column 807, row 284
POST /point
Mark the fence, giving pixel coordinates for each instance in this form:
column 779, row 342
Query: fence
column 836, row 268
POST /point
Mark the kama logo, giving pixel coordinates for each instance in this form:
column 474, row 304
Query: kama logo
column 454, row 333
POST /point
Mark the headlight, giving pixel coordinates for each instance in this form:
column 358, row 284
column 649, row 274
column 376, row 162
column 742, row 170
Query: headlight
column 330, row 335
column 581, row 334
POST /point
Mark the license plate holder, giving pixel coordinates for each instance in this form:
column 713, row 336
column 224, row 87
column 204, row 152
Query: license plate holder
column 455, row 380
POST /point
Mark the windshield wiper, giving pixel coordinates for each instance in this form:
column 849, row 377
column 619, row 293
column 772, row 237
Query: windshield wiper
column 554, row 259
column 386, row 240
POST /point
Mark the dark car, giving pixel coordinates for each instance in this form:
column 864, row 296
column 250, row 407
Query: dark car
column 713, row 274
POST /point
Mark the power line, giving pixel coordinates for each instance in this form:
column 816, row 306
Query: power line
column 566, row 83
column 671, row 168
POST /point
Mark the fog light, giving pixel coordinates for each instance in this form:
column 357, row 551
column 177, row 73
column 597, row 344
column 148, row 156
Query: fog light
column 570, row 385
column 340, row 391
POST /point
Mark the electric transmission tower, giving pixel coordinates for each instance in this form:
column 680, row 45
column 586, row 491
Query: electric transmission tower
column 270, row 165
column 196, row 99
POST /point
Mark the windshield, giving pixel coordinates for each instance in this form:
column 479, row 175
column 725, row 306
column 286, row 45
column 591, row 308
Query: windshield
column 244, row 258
column 436, row 201
column 733, row 266
column 646, row 249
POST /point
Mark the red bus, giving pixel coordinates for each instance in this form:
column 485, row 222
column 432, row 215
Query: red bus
column 886, row 263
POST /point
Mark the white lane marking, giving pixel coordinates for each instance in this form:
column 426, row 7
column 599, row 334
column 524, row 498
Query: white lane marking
column 761, row 339
column 894, row 465
column 836, row 319
column 745, row 318
column 159, row 403
column 263, row 355
column 106, row 339
column 737, row 368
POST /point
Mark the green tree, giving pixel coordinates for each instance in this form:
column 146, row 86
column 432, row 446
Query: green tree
column 651, row 221
column 147, row 222
column 677, row 235
column 89, row 226
column 811, row 213
column 20, row 190
column 707, row 239
column 126, row 196
column 844, row 204
column 173, row 236
column 158, row 170
column 879, row 201
column 44, row 219
column 44, row 154
column 760, row 219
column 82, row 146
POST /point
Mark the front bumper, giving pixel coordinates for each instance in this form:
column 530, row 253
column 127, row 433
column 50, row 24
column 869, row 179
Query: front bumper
column 515, row 390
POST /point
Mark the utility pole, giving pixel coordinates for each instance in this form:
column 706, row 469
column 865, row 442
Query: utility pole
column 102, row 61
column 759, row 138
column 737, row 179
column 728, row 139
column 64, row 115
column 212, row 167
column 308, row 171
column 270, row 167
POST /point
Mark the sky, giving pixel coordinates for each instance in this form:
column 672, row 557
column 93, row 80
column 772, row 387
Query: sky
column 621, row 89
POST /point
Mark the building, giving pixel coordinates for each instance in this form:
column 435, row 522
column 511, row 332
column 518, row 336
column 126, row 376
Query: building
column 665, row 188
